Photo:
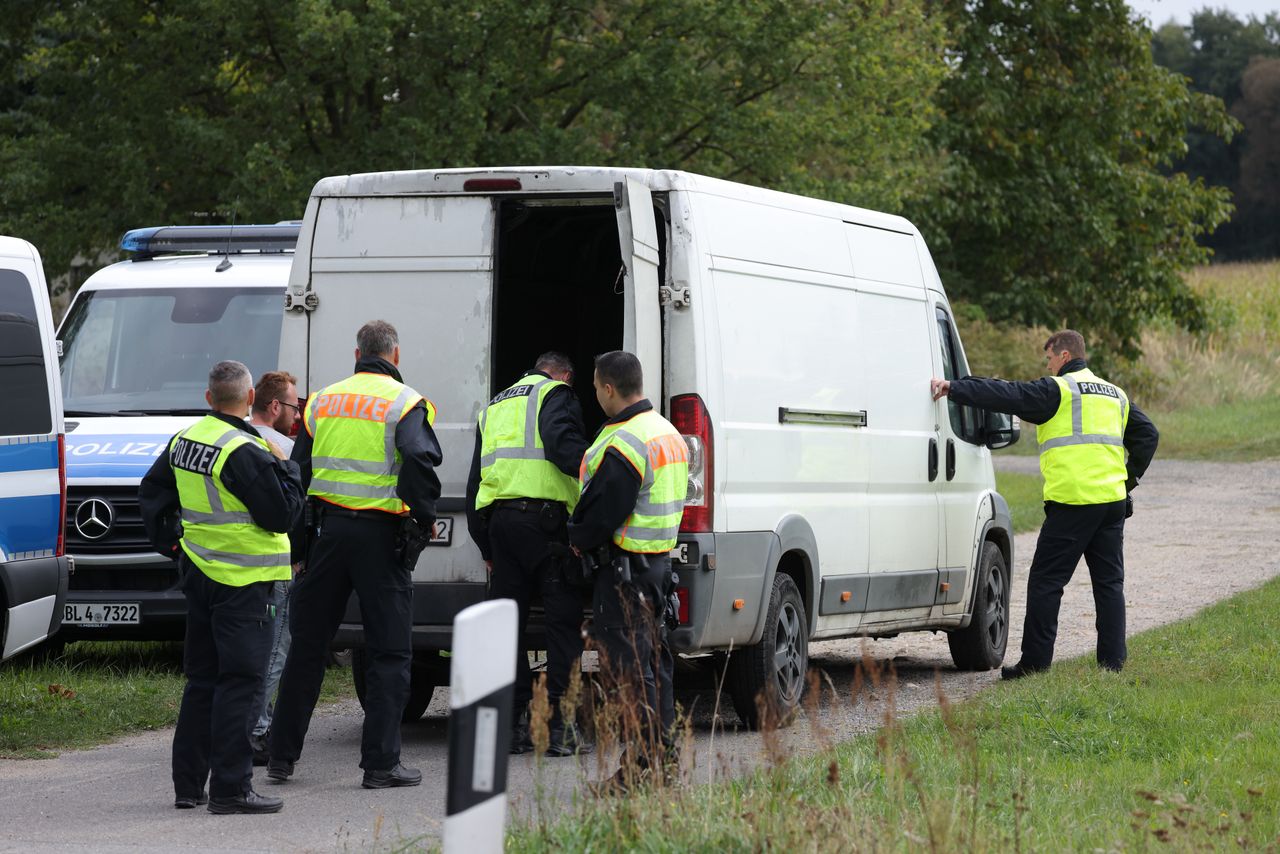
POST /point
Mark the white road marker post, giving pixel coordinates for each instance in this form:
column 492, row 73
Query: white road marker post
column 482, row 689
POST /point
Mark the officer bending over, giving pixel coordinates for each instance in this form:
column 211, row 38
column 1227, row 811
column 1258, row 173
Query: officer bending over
column 368, row 457
column 1087, row 426
column 634, row 480
column 236, row 501
column 522, row 487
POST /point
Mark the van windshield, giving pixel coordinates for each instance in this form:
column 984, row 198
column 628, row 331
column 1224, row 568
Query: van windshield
column 148, row 352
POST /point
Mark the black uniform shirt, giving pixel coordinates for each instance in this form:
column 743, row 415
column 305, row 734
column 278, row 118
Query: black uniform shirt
column 270, row 488
column 1037, row 401
column 420, row 454
column 564, row 441
column 610, row 496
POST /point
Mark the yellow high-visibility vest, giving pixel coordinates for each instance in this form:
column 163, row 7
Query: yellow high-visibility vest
column 1082, row 454
column 513, row 461
column 218, row 533
column 354, row 461
column 660, row 456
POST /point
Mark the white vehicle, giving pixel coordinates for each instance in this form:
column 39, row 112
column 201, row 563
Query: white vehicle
column 790, row 339
column 33, row 490
column 137, row 345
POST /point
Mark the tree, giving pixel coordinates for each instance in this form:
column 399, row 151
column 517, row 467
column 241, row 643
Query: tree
column 1213, row 53
column 1055, row 207
column 1258, row 197
column 136, row 112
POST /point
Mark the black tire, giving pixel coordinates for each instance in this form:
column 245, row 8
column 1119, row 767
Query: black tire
column 423, row 679
column 768, row 680
column 981, row 645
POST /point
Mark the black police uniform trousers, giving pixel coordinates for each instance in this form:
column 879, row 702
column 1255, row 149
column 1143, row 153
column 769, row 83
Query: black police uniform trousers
column 1072, row 531
column 349, row 554
column 627, row 626
column 228, row 641
column 520, row 535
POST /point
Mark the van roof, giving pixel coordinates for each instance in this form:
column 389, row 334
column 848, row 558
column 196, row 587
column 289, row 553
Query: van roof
column 194, row 271
column 16, row 247
column 587, row 179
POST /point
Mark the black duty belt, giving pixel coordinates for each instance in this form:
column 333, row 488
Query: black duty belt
column 327, row 509
column 528, row 505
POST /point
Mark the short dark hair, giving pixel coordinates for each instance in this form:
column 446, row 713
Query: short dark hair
column 229, row 382
column 272, row 386
column 377, row 338
column 553, row 363
column 621, row 370
column 1069, row 340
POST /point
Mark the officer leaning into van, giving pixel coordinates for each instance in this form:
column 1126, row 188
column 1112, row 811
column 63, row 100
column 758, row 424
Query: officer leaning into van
column 1086, row 427
column 522, row 486
column 634, row 480
column 368, row 457
column 236, row 501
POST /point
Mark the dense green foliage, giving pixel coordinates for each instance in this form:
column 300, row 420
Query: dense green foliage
column 131, row 112
column 1054, row 208
column 1238, row 61
column 1030, row 140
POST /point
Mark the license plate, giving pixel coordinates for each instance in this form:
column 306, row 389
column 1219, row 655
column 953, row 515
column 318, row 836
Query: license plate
column 443, row 535
column 94, row 614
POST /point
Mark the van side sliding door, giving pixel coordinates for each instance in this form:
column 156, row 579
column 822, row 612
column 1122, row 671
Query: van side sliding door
column 641, row 322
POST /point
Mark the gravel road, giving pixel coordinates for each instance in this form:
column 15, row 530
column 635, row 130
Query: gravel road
column 1202, row 532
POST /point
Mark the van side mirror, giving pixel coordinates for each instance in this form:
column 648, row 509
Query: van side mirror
column 1000, row 430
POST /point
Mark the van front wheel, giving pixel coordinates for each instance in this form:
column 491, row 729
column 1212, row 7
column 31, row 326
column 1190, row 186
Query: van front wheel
column 767, row 680
column 981, row 645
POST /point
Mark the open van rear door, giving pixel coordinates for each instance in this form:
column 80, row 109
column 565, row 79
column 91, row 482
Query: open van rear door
column 641, row 320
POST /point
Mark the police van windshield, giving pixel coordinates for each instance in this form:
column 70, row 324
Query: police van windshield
column 144, row 352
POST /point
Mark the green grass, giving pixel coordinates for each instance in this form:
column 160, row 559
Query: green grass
column 1243, row 431
column 1025, row 494
column 98, row 691
column 1178, row 752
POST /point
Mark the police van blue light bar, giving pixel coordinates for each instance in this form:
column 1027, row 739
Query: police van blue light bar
column 214, row 239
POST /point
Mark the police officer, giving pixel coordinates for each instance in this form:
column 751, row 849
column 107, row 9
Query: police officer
column 522, row 487
column 1086, row 427
column 236, row 502
column 368, row 458
column 634, row 480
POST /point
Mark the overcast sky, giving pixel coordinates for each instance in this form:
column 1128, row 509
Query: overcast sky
column 1160, row 11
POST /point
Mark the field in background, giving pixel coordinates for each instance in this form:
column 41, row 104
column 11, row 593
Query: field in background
column 1214, row 395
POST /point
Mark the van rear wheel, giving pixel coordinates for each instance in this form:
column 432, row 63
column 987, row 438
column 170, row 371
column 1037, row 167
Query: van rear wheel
column 768, row 680
column 981, row 645
column 423, row 679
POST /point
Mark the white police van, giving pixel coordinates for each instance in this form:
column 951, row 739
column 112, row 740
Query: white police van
column 137, row 344
column 33, row 566
column 790, row 339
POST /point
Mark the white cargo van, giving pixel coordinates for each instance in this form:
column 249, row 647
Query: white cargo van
column 790, row 339
column 137, row 345
column 33, row 563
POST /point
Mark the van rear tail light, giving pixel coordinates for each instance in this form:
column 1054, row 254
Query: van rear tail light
column 490, row 185
column 62, row 495
column 682, row 593
column 689, row 415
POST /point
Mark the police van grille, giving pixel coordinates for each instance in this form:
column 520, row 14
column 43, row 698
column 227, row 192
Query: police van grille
column 127, row 534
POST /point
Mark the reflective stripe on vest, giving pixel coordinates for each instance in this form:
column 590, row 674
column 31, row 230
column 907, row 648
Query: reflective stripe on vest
column 513, row 461
column 659, row 454
column 354, row 461
column 218, row 532
column 1082, row 454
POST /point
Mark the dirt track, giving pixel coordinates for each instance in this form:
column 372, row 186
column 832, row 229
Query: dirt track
column 1202, row 532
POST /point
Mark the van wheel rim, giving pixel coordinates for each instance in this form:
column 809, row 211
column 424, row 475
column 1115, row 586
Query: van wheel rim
column 788, row 659
column 997, row 618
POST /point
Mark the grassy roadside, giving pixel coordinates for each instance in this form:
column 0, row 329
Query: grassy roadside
column 1178, row 752
column 98, row 691
column 1025, row 494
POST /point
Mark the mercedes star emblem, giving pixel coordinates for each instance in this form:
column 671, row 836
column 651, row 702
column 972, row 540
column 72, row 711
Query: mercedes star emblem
column 94, row 518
